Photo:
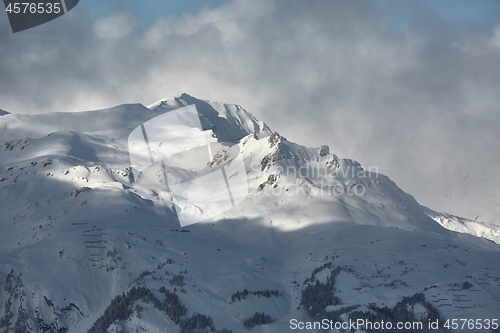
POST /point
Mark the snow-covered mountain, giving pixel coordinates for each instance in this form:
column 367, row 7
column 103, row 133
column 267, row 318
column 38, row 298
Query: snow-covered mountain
column 464, row 225
column 85, row 247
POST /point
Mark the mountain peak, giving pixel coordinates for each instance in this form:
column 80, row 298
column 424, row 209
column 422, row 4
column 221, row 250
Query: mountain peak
column 229, row 122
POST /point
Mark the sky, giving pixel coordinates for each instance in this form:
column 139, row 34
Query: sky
column 410, row 87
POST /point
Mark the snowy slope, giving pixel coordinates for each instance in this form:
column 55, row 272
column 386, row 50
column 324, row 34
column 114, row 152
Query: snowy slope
column 77, row 232
column 463, row 225
column 229, row 123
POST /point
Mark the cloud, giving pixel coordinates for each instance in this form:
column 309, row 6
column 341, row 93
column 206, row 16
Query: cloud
column 418, row 103
column 117, row 25
column 481, row 44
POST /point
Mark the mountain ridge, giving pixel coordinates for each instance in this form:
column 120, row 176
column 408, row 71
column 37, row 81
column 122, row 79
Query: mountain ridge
column 80, row 234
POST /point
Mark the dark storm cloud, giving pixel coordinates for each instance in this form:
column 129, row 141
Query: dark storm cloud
column 420, row 104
